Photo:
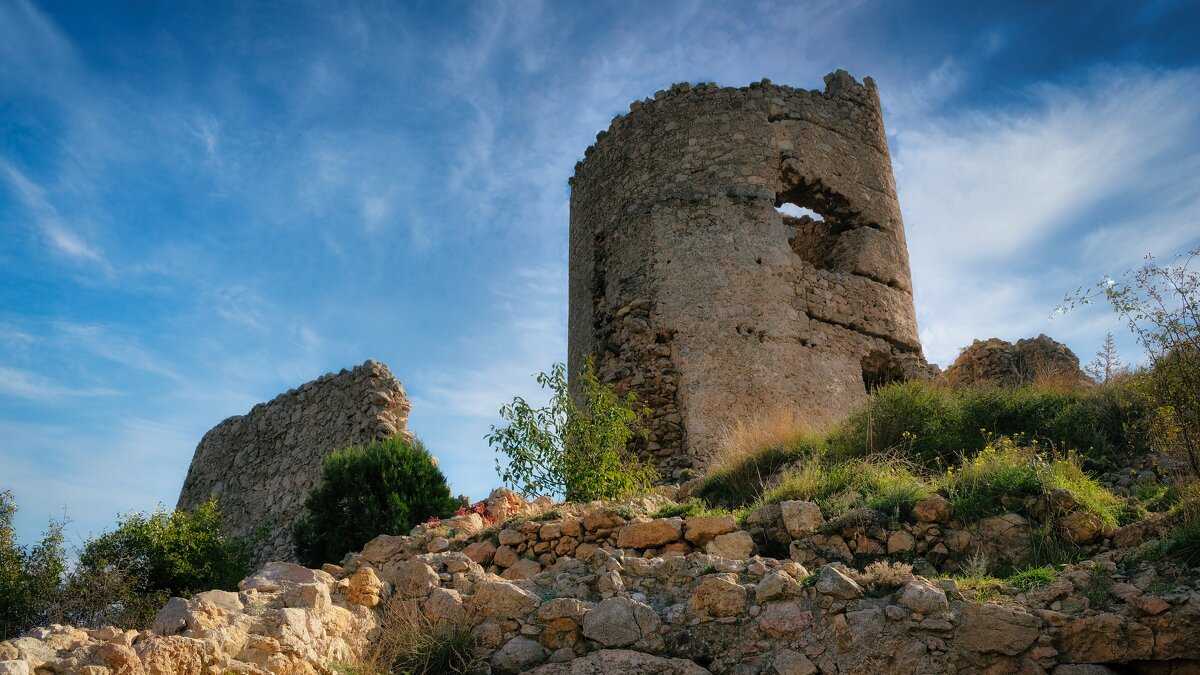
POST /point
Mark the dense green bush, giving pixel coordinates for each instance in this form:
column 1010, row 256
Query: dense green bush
column 124, row 576
column 383, row 488
column 934, row 425
column 574, row 446
column 29, row 577
column 987, row 483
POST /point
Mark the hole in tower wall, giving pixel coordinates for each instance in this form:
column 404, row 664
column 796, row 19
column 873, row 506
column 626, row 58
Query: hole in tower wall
column 812, row 235
column 789, row 209
column 880, row 368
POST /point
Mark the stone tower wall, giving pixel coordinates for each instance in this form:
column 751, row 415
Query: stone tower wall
column 262, row 465
column 689, row 288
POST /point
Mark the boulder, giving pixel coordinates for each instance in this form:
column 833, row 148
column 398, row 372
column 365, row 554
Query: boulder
column 502, row 600
column 732, row 545
column 777, row 585
column 1082, row 527
column 702, row 529
column 933, row 509
column 719, row 595
column 784, row 620
column 833, row 582
column 801, row 518
column 518, row 655
column 480, row 552
column 788, row 662
column 920, row 595
column 996, row 629
column 365, row 588
column 620, row 622
column 650, row 533
column 411, row 578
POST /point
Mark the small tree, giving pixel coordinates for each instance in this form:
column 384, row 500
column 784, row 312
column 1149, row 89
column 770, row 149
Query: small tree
column 124, row 576
column 1107, row 364
column 383, row 488
column 579, row 451
column 1161, row 306
column 29, row 578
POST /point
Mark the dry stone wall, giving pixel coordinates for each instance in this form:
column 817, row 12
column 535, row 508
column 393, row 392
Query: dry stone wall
column 690, row 288
column 263, row 464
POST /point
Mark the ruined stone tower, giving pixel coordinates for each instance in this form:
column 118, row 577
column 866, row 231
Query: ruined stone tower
column 689, row 287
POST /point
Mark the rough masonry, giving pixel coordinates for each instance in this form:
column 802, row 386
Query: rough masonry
column 262, row 465
column 689, row 287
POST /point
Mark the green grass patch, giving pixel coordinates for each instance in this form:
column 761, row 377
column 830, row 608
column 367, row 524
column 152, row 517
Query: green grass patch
column 881, row 484
column 693, row 506
column 1005, row 471
column 1034, row 577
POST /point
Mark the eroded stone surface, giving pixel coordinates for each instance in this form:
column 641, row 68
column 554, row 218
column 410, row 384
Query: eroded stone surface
column 262, row 465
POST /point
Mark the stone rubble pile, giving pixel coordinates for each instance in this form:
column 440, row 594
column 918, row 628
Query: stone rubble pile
column 665, row 595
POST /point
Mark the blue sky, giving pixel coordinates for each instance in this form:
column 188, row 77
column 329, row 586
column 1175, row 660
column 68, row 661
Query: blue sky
column 203, row 204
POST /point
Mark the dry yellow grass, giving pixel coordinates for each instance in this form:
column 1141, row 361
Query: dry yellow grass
column 745, row 439
column 410, row 643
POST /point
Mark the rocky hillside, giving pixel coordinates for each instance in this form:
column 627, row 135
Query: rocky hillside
column 604, row 588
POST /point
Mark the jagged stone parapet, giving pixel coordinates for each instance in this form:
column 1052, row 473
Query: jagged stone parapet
column 690, row 288
column 262, row 465
column 999, row 362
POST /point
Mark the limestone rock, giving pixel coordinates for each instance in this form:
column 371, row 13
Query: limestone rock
column 620, row 622
column 933, row 509
column 502, row 600
column 776, row 585
column 480, row 552
column 995, row 361
column 833, row 582
column 650, row 533
column 518, row 655
column 732, row 545
column 1082, row 527
column 702, row 529
column 784, row 620
column 411, row 579
column 365, row 587
column 719, row 595
column 996, row 629
column 919, row 595
column 788, row 662
column 801, row 518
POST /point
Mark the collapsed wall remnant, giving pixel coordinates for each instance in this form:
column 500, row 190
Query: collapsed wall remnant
column 999, row 362
column 261, row 466
column 690, row 288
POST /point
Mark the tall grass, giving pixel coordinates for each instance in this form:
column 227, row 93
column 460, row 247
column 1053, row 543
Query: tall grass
column 880, row 483
column 752, row 451
column 934, row 425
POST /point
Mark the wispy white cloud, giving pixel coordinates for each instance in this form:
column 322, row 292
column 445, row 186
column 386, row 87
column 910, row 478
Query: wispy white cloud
column 26, row 384
column 53, row 228
column 1002, row 203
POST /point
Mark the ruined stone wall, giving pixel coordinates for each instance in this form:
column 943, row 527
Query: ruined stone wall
column 999, row 362
column 262, row 465
column 690, row 288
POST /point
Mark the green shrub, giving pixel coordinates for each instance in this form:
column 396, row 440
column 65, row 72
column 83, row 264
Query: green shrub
column 29, row 578
column 579, row 451
column 384, row 488
column 124, row 576
column 1003, row 472
column 934, row 425
column 881, row 484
